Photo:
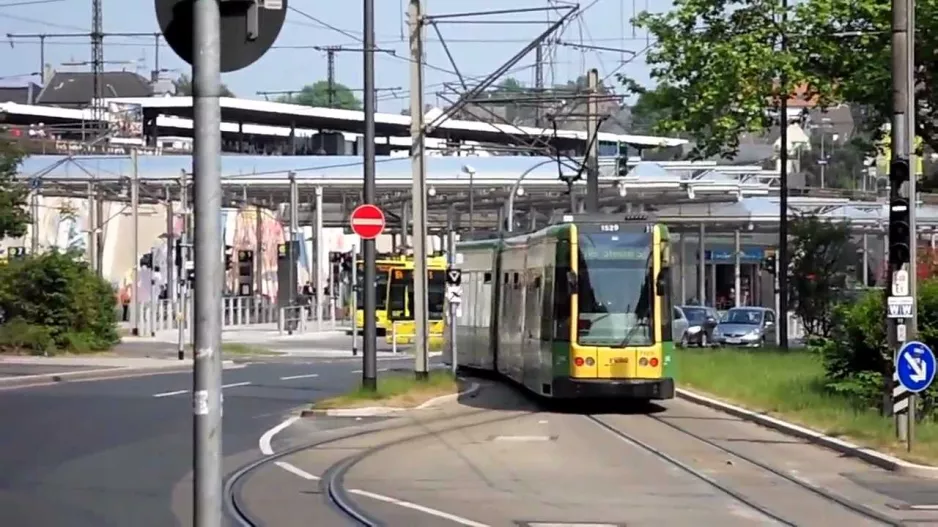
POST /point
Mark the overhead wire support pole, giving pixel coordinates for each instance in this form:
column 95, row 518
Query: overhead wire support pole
column 206, row 160
column 783, row 257
column 135, row 220
column 418, row 195
column 369, row 295
column 592, row 152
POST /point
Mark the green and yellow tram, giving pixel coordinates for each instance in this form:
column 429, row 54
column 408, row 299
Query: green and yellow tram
column 581, row 308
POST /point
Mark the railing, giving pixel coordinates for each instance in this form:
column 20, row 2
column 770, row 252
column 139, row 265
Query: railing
column 240, row 312
column 164, row 315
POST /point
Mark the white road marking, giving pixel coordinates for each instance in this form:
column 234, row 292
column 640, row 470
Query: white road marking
column 296, row 471
column 264, row 442
column 426, row 510
column 291, row 377
column 180, row 392
column 379, row 370
column 522, row 438
column 267, row 450
column 168, row 394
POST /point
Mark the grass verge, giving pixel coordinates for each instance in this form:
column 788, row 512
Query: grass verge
column 395, row 390
column 789, row 386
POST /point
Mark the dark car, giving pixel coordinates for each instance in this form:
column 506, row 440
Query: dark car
column 701, row 321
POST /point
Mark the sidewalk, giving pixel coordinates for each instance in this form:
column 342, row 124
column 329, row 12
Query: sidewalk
column 18, row 371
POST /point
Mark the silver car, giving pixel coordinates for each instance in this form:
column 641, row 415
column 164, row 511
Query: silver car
column 679, row 326
column 746, row 326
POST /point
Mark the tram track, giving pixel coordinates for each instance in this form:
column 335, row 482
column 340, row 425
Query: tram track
column 332, row 482
column 748, row 501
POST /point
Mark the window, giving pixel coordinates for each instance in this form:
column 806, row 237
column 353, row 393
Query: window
column 616, row 290
column 676, row 314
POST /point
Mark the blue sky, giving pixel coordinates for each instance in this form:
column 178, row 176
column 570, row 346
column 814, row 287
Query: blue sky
column 477, row 49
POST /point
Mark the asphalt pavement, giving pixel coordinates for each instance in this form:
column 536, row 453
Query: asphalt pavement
column 114, row 452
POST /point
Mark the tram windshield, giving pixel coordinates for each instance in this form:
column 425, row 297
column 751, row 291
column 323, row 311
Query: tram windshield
column 616, row 289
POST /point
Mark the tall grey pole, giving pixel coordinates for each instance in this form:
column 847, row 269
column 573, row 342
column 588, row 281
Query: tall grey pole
column 913, row 191
column 318, row 249
column 353, row 254
column 369, row 296
column 592, row 154
column 206, row 160
column 472, row 201
column 135, row 220
column 170, row 262
column 737, row 269
column 294, row 249
column 782, row 260
column 182, row 304
column 902, row 39
column 453, row 307
column 702, row 266
column 92, row 228
column 34, row 211
column 418, row 166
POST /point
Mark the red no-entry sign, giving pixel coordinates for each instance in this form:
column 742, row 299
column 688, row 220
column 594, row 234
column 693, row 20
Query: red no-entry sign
column 367, row 221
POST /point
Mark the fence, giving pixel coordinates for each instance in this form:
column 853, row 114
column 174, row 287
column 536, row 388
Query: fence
column 239, row 311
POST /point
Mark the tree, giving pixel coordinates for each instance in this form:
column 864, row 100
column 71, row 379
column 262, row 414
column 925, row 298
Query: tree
column 649, row 109
column 820, row 258
column 13, row 195
column 184, row 87
column 317, row 96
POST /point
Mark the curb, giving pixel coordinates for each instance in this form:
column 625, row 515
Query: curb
column 862, row 453
column 113, row 372
column 379, row 411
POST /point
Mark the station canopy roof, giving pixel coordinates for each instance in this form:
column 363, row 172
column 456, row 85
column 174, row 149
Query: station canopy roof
column 249, row 111
column 762, row 214
column 450, row 178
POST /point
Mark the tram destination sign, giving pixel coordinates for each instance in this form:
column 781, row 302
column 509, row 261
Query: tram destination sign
column 616, row 253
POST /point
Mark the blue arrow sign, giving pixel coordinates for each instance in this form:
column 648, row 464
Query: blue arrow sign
column 915, row 366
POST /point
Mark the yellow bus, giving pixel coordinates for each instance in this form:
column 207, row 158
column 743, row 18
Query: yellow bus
column 384, row 265
column 401, row 301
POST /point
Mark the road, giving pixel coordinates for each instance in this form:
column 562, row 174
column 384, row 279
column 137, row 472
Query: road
column 518, row 464
column 116, row 452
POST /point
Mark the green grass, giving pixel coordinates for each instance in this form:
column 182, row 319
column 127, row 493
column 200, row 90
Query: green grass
column 789, row 386
column 237, row 348
column 396, row 389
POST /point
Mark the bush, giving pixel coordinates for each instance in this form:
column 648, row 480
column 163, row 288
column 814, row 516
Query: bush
column 858, row 361
column 61, row 294
column 20, row 336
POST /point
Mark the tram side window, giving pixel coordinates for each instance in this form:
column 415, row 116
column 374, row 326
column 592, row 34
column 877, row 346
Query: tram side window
column 562, row 305
column 547, row 305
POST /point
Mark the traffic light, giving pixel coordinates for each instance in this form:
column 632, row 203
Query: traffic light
column 622, row 166
column 899, row 202
column 347, row 262
column 769, row 264
column 229, row 257
column 246, row 273
column 146, row 261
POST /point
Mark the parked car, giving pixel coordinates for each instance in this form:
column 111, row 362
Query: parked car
column 679, row 326
column 701, row 322
column 746, row 326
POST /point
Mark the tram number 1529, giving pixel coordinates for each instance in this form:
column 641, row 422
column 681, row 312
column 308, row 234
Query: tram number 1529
column 609, row 228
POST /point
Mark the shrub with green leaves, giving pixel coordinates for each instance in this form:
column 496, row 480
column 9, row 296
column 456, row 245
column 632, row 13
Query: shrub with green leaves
column 62, row 294
column 858, row 361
